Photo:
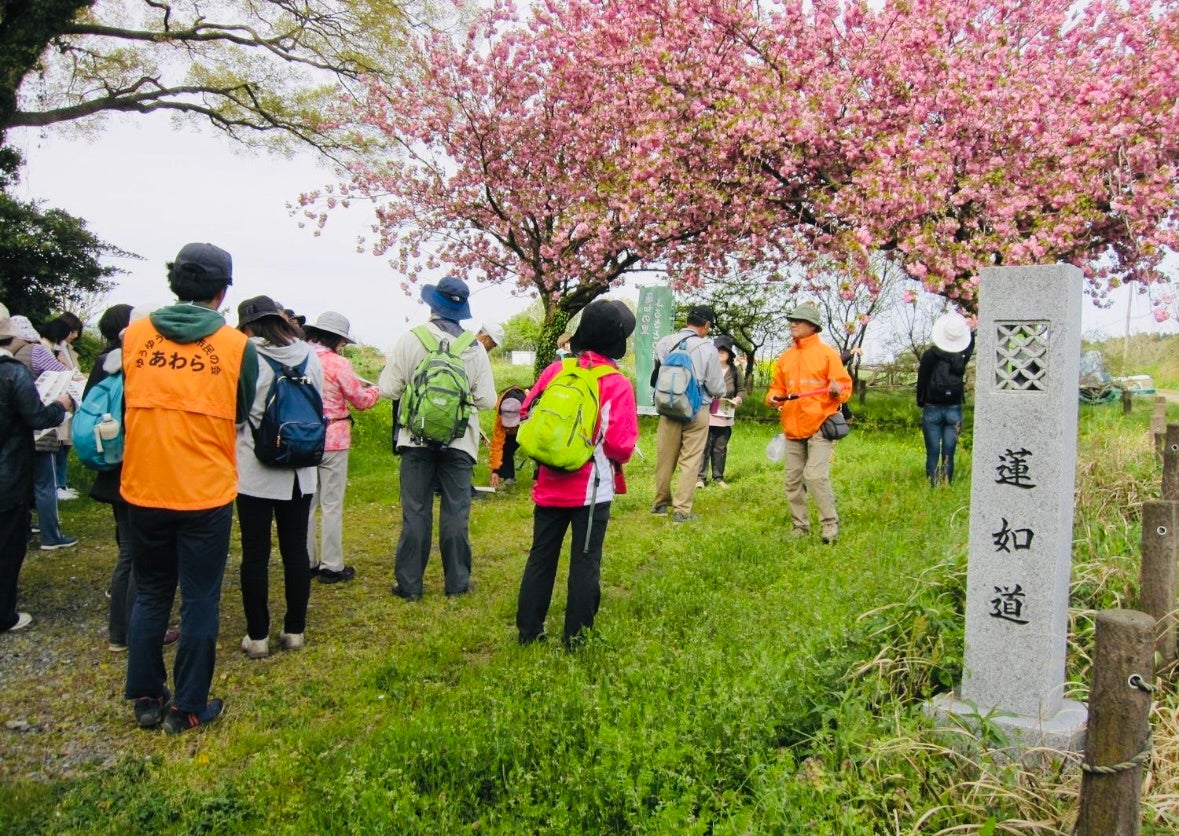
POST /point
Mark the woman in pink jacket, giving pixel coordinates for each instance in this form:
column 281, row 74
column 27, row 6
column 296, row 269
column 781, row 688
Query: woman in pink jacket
column 341, row 388
column 580, row 499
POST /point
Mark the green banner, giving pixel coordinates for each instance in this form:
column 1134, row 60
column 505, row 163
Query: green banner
column 656, row 318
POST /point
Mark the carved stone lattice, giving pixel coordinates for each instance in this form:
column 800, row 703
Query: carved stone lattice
column 1021, row 361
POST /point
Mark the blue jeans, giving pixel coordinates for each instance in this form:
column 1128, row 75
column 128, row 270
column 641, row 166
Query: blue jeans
column 421, row 469
column 61, row 460
column 45, row 498
column 940, row 424
column 188, row 548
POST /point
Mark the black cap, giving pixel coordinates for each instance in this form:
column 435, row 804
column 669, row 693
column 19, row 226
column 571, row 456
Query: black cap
column 200, row 272
column 701, row 315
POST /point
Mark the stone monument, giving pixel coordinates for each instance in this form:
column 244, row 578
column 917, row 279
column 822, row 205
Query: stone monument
column 1028, row 348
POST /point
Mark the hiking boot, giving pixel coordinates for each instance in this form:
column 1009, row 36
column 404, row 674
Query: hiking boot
column 659, row 509
column 332, row 576
column 256, row 648
column 149, row 711
column 23, row 620
column 178, row 721
column 830, row 533
column 405, row 595
column 683, row 518
column 291, row 641
column 66, row 543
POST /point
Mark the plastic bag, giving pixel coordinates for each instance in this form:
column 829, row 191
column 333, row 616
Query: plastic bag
column 776, row 449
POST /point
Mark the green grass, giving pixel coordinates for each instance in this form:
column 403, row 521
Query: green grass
column 736, row 683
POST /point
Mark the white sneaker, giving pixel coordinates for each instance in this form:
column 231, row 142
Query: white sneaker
column 721, row 483
column 256, row 648
column 699, row 483
column 291, row 641
column 23, row 620
column 66, row 493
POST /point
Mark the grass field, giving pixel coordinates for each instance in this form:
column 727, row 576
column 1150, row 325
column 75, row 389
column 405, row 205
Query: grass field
column 736, row 683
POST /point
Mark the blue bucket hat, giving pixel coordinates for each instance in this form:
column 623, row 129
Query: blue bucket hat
column 448, row 298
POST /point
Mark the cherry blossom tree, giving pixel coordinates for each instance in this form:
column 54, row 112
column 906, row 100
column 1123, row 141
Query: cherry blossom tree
column 527, row 154
column 954, row 135
column 565, row 146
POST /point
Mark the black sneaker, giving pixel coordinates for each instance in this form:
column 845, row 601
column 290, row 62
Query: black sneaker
column 149, row 711
column 178, row 721
column 331, row 576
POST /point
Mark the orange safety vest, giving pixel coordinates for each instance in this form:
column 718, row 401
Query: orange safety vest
column 181, row 407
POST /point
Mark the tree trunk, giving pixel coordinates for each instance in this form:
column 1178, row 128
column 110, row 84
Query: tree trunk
column 26, row 28
column 546, row 343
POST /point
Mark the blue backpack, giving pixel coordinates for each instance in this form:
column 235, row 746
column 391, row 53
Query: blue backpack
column 293, row 430
column 97, row 427
column 677, row 392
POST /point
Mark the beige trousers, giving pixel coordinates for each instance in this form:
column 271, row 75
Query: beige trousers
column 677, row 443
column 808, row 470
column 329, row 499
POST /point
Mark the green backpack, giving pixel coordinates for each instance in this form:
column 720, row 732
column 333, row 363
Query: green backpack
column 559, row 431
column 436, row 405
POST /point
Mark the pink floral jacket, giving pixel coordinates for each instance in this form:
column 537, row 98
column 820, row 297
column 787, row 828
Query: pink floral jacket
column 341, row 387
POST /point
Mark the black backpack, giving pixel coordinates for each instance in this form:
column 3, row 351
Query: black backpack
column 947, row 384
column 293, row 430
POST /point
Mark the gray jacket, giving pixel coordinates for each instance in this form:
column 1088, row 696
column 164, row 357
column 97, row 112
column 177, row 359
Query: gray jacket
column 403, row 361
column 705, row 360
column 257, row 479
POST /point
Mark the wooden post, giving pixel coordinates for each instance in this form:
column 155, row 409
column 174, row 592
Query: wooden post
column 861, row 390
column 1171, row 463
column 1158, row 428
column 1160, row 534
column 1119, row 728
column 1127, row 402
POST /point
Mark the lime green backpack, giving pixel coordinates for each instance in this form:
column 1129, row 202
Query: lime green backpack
column 436, row 405
column 561, row 424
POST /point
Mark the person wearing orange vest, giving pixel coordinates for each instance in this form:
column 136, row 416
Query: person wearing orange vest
column 189, row 380
column 809, row 385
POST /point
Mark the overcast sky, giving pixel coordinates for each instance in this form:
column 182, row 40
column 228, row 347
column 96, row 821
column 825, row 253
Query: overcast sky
column 149, row 188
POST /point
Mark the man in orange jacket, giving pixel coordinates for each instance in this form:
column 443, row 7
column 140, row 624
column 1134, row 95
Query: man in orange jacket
column 189, row 380
column 808, row 386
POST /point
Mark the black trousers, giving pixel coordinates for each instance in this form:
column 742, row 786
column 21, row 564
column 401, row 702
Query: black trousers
column 507, row 468
column 290, row 518
column 716, row 452
column 584, row 588
column 14, row 543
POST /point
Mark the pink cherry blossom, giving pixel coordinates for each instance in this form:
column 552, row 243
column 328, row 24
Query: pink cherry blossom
column 565, row 144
